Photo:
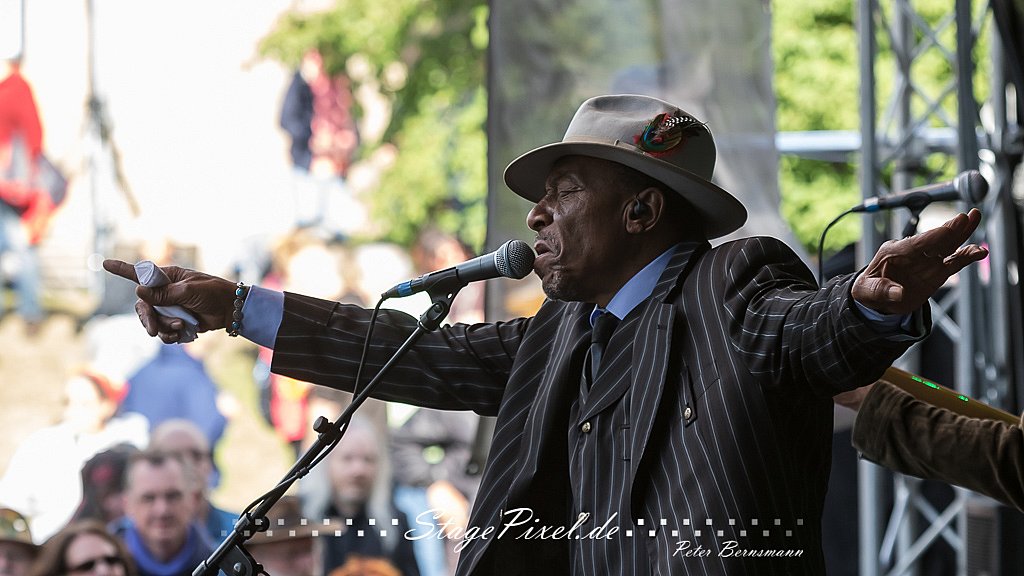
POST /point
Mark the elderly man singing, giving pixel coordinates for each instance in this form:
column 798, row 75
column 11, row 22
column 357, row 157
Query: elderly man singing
column 668, row 409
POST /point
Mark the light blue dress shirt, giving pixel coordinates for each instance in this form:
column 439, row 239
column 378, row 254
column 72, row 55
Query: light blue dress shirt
column 637, row 289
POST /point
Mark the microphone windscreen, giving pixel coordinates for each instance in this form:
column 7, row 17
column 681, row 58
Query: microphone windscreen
column 514, row 259
column 973, row 186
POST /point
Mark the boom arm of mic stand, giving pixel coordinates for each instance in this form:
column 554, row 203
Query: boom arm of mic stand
column 231, row 557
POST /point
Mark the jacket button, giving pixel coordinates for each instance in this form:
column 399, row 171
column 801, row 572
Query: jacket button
column 585, row 428
column 688, row 413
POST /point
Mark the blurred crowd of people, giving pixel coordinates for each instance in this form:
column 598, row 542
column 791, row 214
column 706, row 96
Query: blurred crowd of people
column 123, row 483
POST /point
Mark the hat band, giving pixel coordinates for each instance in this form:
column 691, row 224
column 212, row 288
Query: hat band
column 617, row 143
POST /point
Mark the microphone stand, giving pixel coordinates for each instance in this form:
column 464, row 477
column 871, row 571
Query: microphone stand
column 910, row 228
column 231, row 557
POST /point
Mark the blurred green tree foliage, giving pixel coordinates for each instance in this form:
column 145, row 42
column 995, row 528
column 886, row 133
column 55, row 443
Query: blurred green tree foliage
column 814, row 46
column 815, row 51
column 425, row 59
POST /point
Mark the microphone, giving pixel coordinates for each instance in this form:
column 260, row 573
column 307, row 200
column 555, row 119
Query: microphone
column 513, row 259
column 968, row 186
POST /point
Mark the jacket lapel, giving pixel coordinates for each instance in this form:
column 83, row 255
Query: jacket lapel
column 545, row 438
column 652, row 349
column 624, row 367
column 651, row 326
column 642, row 370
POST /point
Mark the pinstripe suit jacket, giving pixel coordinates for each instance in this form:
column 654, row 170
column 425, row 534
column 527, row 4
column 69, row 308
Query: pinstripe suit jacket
column 712, row 413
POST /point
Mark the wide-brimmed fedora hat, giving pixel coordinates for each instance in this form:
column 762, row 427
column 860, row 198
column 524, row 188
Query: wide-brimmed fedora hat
column 648, row 135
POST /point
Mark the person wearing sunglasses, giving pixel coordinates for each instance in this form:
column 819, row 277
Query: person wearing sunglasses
column 83, row 548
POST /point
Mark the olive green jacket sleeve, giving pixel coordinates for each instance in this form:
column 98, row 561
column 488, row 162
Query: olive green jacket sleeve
column 898, row 431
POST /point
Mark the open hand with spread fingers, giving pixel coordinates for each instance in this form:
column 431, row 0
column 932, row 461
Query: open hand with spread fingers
column 904, row 273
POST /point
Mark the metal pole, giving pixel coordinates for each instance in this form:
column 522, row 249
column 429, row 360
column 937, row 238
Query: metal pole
column 94, row 143
column 969, row 288
column 907, row 163
column 870, row 477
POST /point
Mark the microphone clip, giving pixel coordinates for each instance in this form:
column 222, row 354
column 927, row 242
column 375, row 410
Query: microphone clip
column 441, row 305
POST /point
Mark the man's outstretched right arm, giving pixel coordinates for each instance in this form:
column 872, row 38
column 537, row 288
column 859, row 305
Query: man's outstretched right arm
column 209, row 298
column 319, row 341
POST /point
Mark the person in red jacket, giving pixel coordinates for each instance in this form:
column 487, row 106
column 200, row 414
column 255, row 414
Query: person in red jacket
column 21, row 143
column 19, row 116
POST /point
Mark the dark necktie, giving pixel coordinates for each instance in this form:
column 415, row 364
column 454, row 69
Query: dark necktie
column 604, row 325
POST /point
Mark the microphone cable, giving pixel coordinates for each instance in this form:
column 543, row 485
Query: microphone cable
column 821, row 247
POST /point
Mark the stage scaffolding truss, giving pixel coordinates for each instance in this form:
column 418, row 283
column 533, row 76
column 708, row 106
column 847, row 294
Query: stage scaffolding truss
column 910, row 134
column 917, row 130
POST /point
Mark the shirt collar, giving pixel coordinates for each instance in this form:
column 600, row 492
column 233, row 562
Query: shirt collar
column 637, row 289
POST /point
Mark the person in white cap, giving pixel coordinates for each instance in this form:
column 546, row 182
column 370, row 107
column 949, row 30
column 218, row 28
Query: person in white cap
column 696, row 440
